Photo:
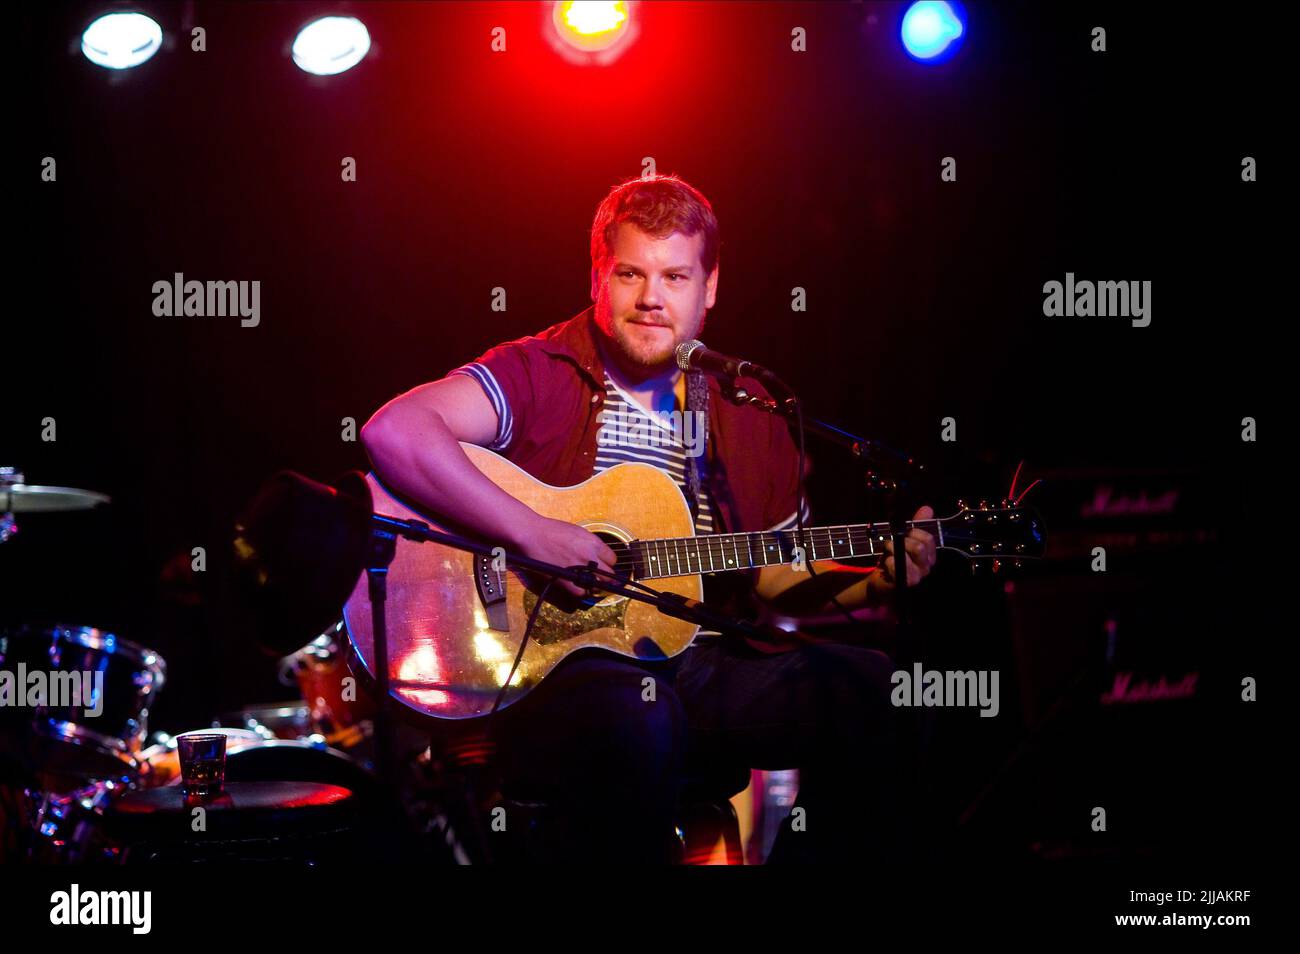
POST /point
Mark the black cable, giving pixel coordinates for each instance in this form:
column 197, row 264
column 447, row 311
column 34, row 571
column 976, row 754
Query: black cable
column 523, row 643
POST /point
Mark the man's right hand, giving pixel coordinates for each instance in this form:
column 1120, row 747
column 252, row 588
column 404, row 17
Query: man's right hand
column 565, row 544
column 413, row 442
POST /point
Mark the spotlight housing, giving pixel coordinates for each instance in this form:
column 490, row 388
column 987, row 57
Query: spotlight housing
column 330, row 45
column 119, row 41
column 592, row 31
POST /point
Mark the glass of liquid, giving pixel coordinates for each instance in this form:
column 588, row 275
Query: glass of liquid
column 203, row 763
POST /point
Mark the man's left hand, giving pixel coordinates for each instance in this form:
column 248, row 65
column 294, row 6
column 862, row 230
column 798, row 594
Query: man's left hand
column 921, row 552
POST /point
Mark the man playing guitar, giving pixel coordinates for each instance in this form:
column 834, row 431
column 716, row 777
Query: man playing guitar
column 613, row 737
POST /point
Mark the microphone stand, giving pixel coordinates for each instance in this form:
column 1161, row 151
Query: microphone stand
column 900, row 486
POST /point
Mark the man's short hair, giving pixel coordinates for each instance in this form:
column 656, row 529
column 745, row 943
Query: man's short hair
column 658, row 206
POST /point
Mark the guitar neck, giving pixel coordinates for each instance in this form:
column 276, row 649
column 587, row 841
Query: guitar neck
column 719, row 552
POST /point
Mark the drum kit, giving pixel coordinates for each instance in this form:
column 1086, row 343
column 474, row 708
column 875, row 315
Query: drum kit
column 72, row 769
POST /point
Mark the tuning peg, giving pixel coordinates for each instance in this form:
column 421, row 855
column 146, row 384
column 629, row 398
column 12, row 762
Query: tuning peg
column 984, row 505
column 961, row 504
column 997, row 566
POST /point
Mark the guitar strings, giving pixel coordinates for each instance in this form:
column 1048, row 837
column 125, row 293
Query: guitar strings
column 646, row 564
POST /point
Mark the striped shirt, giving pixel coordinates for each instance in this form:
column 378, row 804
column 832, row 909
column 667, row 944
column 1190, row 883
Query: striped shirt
column 630, row 435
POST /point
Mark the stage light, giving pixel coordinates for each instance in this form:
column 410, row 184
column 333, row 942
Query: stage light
column 593, row 20
column 119, row 41
column 590, row 31
column 932, row 28
column 330, row 45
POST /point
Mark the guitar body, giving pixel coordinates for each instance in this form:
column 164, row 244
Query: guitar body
column 455, row 623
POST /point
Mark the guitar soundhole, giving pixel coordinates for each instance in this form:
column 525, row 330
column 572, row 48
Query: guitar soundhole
column 624, row 566
column 565, row 616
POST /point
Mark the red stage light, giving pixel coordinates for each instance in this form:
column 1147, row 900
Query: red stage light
column 593, row 19
column 592, row 31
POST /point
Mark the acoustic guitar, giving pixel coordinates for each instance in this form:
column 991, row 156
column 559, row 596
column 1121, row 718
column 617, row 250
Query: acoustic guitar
column 455, row 620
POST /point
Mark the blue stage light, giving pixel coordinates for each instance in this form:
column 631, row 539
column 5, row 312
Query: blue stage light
column 932, row 28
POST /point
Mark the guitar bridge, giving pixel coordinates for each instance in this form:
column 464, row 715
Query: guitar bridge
column 491, row 585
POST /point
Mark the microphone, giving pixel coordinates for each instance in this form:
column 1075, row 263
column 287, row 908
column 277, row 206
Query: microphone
column 694, row 356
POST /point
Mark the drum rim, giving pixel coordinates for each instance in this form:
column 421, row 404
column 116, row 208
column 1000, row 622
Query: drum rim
column 233, row 734
column 293, row 709
column 301, row 744
column 100, row 640
column 126, row 751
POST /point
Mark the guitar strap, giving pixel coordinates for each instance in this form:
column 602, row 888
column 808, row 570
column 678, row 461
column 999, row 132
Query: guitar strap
column 697, row 400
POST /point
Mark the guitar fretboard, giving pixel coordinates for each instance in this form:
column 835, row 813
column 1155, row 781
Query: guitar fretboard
column 719, row 552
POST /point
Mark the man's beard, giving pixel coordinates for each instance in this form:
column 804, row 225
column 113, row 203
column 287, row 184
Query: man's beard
column 640, row 354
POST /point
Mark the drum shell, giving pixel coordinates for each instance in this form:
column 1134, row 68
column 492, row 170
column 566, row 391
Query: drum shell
column 101, row 737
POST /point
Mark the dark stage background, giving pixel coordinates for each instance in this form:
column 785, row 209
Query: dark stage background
column 478, row 170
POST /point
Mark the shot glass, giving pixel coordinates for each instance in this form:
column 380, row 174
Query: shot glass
column 203, row 763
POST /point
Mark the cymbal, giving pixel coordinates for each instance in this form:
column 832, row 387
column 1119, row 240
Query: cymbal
column 34, row 498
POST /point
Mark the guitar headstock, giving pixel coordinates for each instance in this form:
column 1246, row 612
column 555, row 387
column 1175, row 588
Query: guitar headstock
column 1001, row 535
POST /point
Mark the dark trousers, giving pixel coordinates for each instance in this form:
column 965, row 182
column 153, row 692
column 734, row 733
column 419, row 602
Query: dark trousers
column 609, row 742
